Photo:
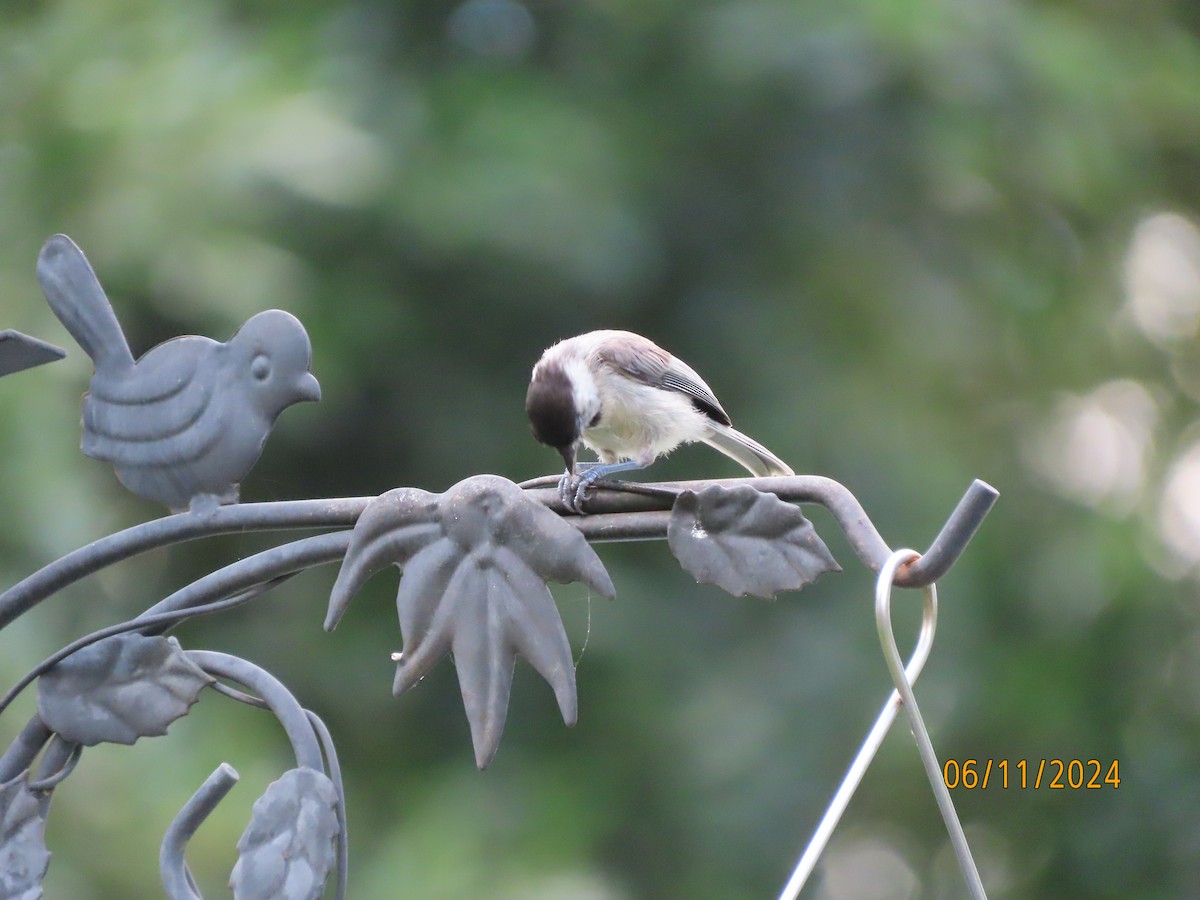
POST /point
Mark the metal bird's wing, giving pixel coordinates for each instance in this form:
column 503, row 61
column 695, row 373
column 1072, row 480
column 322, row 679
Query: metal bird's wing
column 162, row 412
column 643, row 360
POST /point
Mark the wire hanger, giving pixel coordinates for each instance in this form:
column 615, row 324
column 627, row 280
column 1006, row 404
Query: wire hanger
column 904, row 677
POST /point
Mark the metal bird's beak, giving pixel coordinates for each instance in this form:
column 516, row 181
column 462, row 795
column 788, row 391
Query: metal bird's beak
column 568, row 455
column 309, row 388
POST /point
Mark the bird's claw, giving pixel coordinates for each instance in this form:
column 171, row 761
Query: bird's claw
column 564, row 489
column 572, row 489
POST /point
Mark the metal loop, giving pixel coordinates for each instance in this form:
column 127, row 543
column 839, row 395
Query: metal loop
column 278, row 699
column 59, row 762
column 883, row 620
column 887, row 716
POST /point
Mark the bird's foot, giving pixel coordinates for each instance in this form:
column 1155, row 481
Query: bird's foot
column 564, row 489
column 207, row 504
column 572, row 489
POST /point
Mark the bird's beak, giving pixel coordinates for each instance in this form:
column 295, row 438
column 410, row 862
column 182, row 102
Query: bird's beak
column 568, row 455
column 309, row 388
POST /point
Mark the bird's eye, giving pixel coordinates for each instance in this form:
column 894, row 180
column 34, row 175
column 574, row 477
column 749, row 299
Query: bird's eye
column 260, row 367
column 595, row 421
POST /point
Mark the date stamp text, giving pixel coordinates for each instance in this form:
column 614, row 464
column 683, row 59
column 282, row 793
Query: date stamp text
column 1031, row 774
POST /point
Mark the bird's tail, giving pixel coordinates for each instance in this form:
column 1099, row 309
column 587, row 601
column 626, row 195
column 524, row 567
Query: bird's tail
column 750, row 453
column 75, row 296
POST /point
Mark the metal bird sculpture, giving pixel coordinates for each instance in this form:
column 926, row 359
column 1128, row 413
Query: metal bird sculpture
column 186, row 422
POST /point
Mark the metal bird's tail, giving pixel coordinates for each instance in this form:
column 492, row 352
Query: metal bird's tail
column 75, row 296
column 750, row 453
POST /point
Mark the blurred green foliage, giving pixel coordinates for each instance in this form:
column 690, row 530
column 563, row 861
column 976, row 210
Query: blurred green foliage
column 900, row 238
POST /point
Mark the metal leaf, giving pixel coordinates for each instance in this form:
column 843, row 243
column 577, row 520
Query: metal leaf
column 20, row 351
column 476, row 561
column 119, row 689
column 23, row 854
column 746, row 541
column 392, row 528
column 287, row 850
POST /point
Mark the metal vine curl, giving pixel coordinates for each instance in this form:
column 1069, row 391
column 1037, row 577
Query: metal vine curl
column 474, row 563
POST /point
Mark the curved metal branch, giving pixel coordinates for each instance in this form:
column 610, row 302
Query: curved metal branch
column 172, row 866
column 267, row 566
column 617, row 515
column 59, row 762
column 24, row 749
column 231, row 586
column 240, row 696
column 147, row 624
column 278, row 515
column 632, row 513
column 335, row 775
column 277, row 697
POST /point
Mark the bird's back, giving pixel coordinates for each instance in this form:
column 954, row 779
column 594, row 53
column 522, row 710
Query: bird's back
column 643, row 361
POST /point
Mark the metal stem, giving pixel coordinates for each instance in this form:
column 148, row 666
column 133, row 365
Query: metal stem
column 59, row 762
column 24, row 750
column 638, row 513
column 284, row 514
column 277, row 697
column 617, row 515
column 146, row 624
column 335, row 776
column 261, row 568
column 172, row 865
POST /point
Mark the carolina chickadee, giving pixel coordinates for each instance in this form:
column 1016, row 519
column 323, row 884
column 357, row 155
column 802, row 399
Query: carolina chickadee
column 631, row 402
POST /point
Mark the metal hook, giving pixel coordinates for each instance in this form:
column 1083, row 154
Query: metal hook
column 883, row 724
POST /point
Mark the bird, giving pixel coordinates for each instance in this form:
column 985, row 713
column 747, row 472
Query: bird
column 630, row 401
column 183, row 424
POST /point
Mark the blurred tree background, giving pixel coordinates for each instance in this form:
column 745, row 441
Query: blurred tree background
column 908, row 242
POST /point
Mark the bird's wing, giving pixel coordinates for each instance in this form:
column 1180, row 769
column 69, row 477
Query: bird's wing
column 643, row 360
column 162, row 412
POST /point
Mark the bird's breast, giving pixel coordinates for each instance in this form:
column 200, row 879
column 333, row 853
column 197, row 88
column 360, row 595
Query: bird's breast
column 637, row 420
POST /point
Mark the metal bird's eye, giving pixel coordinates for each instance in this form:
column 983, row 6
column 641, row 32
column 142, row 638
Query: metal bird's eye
column 260, row 367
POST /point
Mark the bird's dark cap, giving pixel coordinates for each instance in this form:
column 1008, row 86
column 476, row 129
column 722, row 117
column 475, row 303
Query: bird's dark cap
column 550, row 405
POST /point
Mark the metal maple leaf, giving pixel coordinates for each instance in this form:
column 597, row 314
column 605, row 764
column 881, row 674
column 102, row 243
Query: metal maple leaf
column 475, row 564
